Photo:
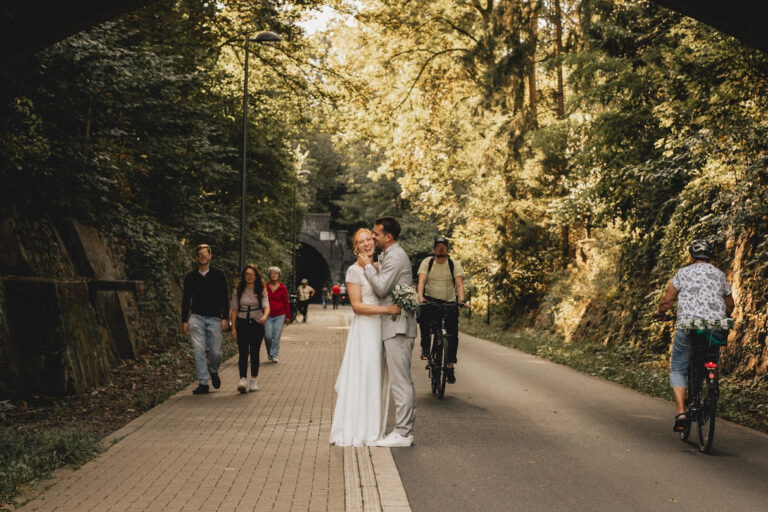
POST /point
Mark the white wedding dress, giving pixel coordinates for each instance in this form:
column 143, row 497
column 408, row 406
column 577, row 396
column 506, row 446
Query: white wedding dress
column 362, row 386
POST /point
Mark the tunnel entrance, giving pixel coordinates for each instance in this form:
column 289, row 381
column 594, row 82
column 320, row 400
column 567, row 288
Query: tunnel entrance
column 311, row 265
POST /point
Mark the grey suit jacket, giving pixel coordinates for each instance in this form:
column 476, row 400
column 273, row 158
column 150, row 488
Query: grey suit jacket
column 395, row 268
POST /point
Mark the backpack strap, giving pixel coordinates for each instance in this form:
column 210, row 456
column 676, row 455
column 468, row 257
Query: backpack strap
column 248, row 311
column 450, row 267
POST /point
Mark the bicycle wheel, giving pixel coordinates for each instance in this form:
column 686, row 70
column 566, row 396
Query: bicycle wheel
column 435, row 361
column 443, row 376
column 706, row 417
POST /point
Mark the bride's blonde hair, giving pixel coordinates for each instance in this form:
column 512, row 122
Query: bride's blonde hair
column 354, row 238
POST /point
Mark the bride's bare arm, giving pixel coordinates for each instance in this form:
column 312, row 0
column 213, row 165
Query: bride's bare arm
column 355, row 293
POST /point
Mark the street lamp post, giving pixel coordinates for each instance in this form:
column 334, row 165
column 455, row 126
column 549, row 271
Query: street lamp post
column 301, row 174
column 262, row 37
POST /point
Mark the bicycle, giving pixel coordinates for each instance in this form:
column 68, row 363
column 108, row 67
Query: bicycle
column 704, row 389
column 437, row 362
column 703, row 386
column 294, row 307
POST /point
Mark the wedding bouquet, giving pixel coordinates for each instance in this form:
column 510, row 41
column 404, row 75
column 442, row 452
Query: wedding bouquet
column 406, row 298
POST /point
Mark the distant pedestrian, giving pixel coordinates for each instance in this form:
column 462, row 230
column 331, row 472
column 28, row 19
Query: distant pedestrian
column 279, row 312
column 335, row 295
column 305, row 293
column 343, row 294
column 248, row 312
column 204, row 310
column 324, row 295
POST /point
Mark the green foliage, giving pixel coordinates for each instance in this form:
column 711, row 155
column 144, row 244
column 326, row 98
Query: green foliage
column 668, row 147
column 439, row 102
column 26, row 455
column 5, row 406
column 22, row 143
column 661, row 141
column 135, row 126
column 367, row 195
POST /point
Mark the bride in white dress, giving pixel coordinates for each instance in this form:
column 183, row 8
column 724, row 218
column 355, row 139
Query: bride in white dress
column 360, row 415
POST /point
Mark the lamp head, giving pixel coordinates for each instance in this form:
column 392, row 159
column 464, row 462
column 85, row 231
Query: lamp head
column 263, row 37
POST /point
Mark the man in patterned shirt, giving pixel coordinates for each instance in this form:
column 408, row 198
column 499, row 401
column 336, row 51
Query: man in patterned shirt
column 703, row 295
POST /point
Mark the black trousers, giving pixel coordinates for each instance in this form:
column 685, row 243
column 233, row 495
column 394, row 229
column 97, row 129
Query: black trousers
column 336, row 298
column 432, row 315
column 249, row 336
column 303, row 305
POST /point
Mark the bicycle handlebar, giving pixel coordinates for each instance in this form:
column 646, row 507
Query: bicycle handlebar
column 459, row 304
column 441, row 304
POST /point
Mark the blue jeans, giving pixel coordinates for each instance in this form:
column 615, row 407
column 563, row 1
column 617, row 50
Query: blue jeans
column 273, row 329
column 325, row 301
column 205, row 330
column 682, row 349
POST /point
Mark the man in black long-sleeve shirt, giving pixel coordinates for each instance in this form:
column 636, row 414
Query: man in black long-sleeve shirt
column 204, row 315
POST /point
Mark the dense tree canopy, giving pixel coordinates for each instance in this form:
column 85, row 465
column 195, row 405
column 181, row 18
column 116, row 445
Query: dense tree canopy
column 570, row 148
column 557, row 141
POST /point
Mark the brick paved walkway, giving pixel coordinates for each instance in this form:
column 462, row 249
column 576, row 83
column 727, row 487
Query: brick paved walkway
column 226, row 451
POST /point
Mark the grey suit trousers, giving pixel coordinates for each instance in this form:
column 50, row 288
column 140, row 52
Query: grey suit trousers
column 397, row 351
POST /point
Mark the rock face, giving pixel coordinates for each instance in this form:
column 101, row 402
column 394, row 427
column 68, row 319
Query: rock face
column 67, row 313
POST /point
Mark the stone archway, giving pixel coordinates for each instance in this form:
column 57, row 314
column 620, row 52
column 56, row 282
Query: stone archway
column 312, row 266
column 329, row 244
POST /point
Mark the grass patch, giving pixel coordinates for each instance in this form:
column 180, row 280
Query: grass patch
column 27, row 455
column 741, row 402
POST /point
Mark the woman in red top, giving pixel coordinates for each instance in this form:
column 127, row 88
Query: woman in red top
column 279, row 312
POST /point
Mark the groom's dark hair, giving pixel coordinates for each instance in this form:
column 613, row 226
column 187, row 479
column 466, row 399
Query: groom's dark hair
column 389, row 225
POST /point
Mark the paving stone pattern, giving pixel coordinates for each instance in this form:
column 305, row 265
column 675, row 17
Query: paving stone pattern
column 226, row 451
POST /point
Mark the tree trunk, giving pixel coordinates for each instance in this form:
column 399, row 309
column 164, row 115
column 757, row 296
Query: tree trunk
column 558, row 53
column 532, row 90
column 564, row 229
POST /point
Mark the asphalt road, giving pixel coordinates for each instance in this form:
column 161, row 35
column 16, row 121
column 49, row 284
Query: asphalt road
column 517, row 433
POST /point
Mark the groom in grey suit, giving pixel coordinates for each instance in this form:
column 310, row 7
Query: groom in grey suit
column 397, row 333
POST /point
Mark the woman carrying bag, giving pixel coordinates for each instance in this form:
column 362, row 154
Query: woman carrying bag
column 248, row 312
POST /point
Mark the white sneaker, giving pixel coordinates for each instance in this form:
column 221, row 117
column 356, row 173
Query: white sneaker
column 275, row 360
column 253, row 386
column 241, row 386
column 395, row 440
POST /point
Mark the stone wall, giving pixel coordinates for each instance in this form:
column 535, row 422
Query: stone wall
column 67, row 312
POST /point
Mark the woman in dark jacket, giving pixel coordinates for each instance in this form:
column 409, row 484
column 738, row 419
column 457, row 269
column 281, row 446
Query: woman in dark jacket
column 279, row 312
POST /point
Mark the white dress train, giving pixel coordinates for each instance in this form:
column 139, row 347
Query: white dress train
column 360, row 415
